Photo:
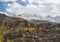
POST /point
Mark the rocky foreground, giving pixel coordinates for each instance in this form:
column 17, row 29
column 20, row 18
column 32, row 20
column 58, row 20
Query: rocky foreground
column 35, row 36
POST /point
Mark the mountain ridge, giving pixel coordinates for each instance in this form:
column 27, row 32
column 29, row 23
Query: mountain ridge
column 39, row 17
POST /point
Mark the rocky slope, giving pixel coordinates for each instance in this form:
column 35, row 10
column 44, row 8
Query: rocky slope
column 21, row 30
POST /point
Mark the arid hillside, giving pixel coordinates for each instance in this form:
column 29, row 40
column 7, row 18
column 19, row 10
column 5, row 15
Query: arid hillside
column 15, row 29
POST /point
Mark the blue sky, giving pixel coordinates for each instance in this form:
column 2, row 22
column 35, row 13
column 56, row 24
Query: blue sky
column 4, row 5
column 40, row 7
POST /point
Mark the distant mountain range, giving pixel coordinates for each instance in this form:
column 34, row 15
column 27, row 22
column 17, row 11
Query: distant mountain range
column 29, row 17
column 39, row 17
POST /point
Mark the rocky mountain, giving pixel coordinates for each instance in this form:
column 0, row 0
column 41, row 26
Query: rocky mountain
column 2, row 17
column 19, row 29
column 32, row 19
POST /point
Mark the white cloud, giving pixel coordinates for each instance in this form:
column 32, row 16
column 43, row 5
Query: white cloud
column 18, row 9
column 15, row 8
column 8, row 0
column 53, row 1
column 24, row 0
column 37, row 1
column 50, row 1
column 40, row 9
column 29, row 9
